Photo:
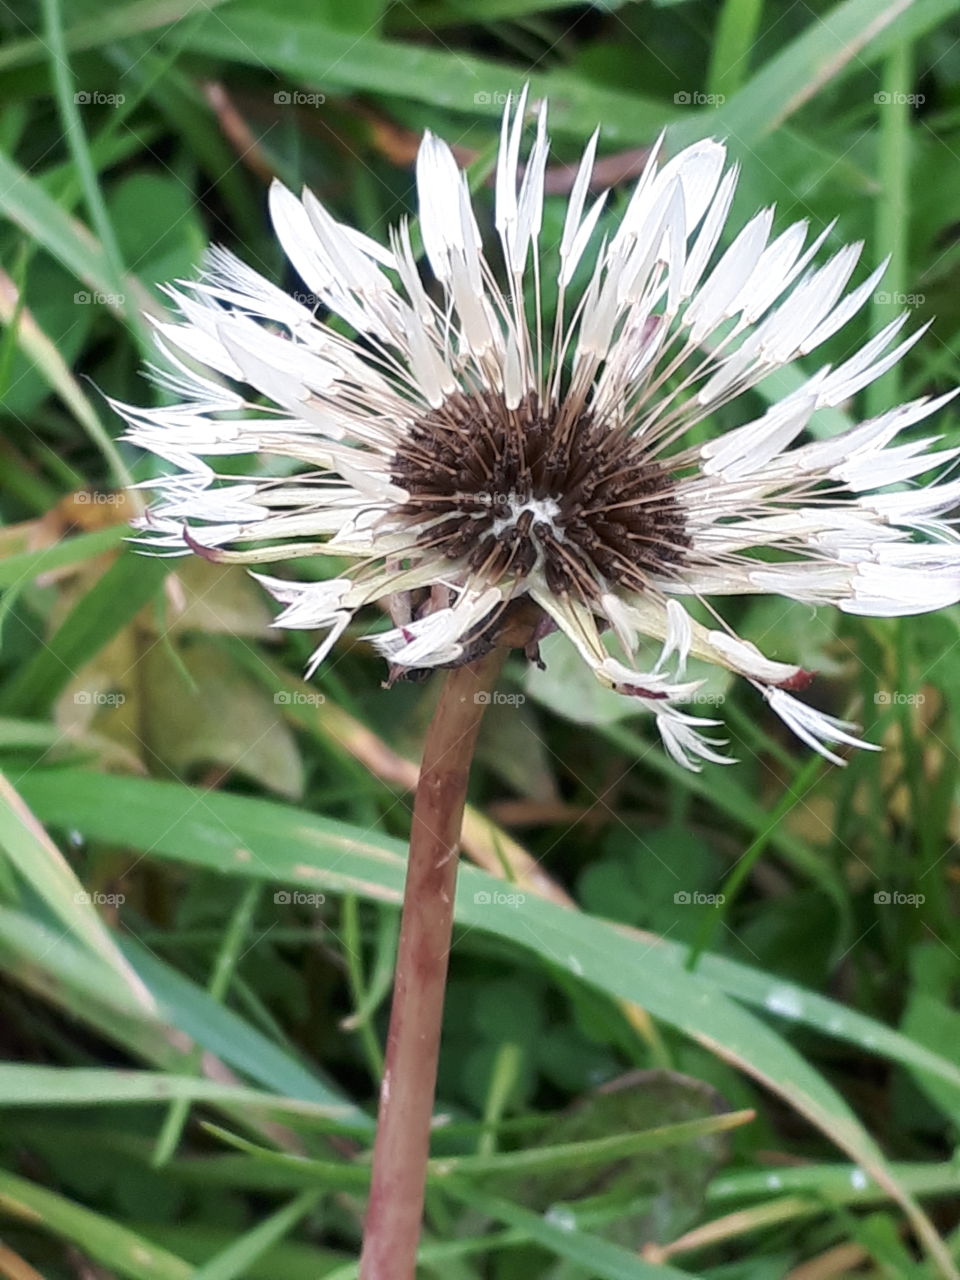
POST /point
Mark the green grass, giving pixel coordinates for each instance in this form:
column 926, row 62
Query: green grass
column 200, row 873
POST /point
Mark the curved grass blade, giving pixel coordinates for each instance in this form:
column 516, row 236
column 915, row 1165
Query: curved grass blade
column 259, row 839
column 41, row 864
column 108, row 1242
column 28, row 1085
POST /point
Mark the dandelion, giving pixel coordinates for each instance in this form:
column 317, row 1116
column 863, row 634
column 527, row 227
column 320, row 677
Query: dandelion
column 472, row 467
column 493, row 477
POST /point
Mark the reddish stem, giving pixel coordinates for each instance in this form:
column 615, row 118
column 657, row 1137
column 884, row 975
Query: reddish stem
column 402, row 1147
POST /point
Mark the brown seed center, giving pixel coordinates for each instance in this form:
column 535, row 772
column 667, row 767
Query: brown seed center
column 509, row 491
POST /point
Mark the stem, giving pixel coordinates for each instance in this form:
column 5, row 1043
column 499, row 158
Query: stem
column 392, row 1228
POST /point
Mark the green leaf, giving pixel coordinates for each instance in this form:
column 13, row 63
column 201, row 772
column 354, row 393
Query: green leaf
column 243, row 1252
column 105, row 1240
column 799, row 1005
column 36, row 1086
column 158, row 226
column 52, row 963
column 234, row 725
column 237, row 835
column 850, row 35
column 560, row 1234
column 43, row 867
column 112, row 22
column 445, row 13
column 49, row 963
column 24, row 201
column 734, row 39
column 657, row 1199
column 836, row 1183
column 27, row 733
column 130, row 583
column 60, row 555
column 931, row 1023
column 218, row 1029
column 591, row 1151
column 297, row 44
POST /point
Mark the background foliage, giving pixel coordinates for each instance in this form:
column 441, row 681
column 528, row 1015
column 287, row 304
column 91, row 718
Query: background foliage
column 697, row 1025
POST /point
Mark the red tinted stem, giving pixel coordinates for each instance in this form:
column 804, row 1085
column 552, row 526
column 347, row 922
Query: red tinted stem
column 402, row 1147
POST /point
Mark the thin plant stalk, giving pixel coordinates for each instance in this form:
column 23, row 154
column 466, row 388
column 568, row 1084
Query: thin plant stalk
column 401, row 1150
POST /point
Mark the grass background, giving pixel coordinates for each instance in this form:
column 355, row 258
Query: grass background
column 735, row 1055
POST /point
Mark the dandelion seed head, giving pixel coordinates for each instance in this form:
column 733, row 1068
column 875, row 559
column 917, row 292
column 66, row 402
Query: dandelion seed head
column 497, row 453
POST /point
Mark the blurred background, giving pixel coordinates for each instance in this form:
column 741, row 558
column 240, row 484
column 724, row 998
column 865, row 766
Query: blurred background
column 202, row 854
